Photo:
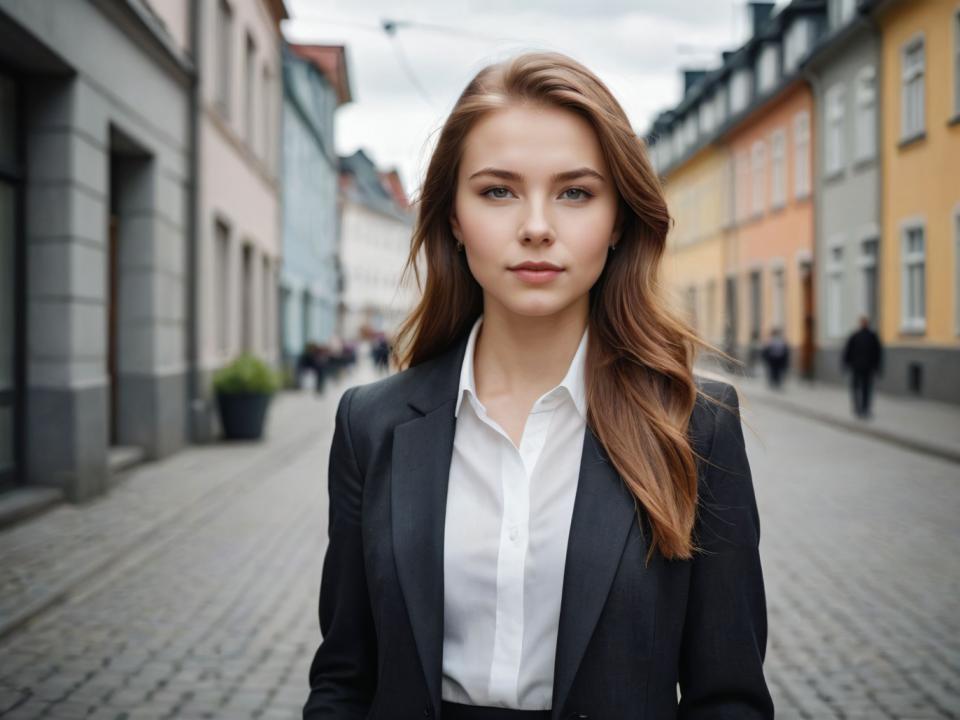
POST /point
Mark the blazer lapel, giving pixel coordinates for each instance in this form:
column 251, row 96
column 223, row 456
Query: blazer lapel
column 603, row 511
column 422, row 452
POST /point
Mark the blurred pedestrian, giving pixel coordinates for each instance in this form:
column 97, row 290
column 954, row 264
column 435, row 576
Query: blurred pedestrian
column 776, row 356
column 863, row 358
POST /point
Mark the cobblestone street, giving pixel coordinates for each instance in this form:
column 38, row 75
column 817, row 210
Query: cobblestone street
column 190, row 591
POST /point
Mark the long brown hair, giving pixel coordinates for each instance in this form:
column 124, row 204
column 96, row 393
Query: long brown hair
column 639, row 366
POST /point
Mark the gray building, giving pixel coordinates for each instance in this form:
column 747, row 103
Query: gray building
column 95, row 176
column 843, row 73
column 315, row 83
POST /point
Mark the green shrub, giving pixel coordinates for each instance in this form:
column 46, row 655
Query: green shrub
column 246, row 374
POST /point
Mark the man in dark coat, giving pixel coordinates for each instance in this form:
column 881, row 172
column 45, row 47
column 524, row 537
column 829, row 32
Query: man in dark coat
column 776, row 355
column 863, row 357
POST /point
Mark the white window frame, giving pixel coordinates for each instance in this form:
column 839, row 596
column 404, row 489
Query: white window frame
column 778, row 168
column 865, row 115
column 758, row 179
column 912, row 322
column 795, row 44
column 801, row 154
column 742, row 191
column 767, row 68
column 913, row 114
column 740, row 90
column 223, row 98
column 834, row 126
column 836, row 257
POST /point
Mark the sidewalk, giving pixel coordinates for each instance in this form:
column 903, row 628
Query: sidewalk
column 920, row 425
column 45, row 558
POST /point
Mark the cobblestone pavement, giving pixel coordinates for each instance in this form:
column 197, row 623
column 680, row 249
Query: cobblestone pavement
column 210, row 612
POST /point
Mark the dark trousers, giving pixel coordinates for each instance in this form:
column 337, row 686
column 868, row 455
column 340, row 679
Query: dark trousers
column 861, row 388
column 456, row 711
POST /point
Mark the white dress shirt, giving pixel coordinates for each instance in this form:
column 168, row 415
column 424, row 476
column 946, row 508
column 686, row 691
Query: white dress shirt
column 507, row 523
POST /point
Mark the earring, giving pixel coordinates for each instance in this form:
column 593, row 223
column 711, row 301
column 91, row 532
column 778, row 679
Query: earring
column 613, row 247
column 459, row 246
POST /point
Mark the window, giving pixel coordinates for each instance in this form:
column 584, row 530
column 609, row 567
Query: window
column 778, row 162
column 246, row 299
column 865, row 137
column 767, row 68
column 913, row 290
column 706, row 115
column 720, row 105
column 759, row 176
column 250, row 75
column 868, row 278
column 739, row 90
column 777, row 314
column 710, row 311
column 801, row 149
column 795, row 44
column 743, row 185
column 912, row 120
column 266, row 87
column 833, row 151
column 835, row 289
column 841, row 11
column 222, row 289
column 692, row 308
column 224, row 57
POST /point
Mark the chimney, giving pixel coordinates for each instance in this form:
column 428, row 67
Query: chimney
column 760, row 12
column 690, row 78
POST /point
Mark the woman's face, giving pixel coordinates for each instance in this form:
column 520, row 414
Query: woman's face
column 533, row 186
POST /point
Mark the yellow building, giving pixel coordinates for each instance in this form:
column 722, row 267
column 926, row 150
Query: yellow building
column 698, row 198
column 920, row 196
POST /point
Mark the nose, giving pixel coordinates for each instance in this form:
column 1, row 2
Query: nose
column 536, row 227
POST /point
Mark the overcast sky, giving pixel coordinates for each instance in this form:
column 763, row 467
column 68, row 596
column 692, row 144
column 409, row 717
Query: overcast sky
column 404, row 86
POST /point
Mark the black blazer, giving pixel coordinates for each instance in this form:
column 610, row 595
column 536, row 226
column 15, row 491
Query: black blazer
column 627, row 633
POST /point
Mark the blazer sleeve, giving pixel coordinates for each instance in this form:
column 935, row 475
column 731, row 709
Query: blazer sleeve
column 725, row 629
column 344, row 669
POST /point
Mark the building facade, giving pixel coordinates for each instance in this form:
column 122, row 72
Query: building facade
column 238, row 225
column 920, row 217
column 96, row 145
column 315, row 84
column 843, row 72
column 736, row 158
column 375, row 233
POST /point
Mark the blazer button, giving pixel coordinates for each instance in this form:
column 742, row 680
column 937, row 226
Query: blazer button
column 426, row 711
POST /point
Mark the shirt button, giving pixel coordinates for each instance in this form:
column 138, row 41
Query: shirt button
column 514, row 533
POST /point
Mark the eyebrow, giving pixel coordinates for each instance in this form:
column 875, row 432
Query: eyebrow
column 559, row 177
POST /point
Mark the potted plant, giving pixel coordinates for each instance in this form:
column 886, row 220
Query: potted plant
column 244, row 389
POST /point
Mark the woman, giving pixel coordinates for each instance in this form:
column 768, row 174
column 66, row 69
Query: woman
column 545, row 514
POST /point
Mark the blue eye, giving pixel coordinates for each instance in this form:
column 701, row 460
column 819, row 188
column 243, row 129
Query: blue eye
column 583, row 193
column 493, row 189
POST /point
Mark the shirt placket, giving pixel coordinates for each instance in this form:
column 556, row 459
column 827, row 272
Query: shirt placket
column 516, row 468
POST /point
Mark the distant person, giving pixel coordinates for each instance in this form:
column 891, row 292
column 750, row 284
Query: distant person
column 776, row 356
column 863, row 357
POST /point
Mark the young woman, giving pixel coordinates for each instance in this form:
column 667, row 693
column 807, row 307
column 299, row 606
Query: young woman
column 545, row 514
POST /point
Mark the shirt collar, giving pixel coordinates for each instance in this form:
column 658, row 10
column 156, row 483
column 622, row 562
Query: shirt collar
column 574, row 381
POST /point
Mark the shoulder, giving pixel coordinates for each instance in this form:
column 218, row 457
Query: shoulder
column 717, row 408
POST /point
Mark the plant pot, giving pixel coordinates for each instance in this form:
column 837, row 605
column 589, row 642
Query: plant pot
column 242, row 415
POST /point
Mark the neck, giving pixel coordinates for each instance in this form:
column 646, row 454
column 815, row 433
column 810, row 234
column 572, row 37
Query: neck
column 523, row 356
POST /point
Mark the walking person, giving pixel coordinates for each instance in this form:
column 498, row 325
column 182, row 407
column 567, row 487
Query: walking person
column 545, row 513
column 863, row 358
column 776, row 356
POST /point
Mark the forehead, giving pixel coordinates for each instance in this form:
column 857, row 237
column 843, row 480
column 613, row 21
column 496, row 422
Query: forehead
column 532, row 140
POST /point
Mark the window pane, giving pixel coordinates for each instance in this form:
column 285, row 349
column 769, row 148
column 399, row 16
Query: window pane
column 7, row 295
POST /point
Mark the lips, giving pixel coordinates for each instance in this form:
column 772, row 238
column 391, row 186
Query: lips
column 535, row 266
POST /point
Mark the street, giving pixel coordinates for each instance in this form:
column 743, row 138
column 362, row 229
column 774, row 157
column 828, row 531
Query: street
column 212, row 613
